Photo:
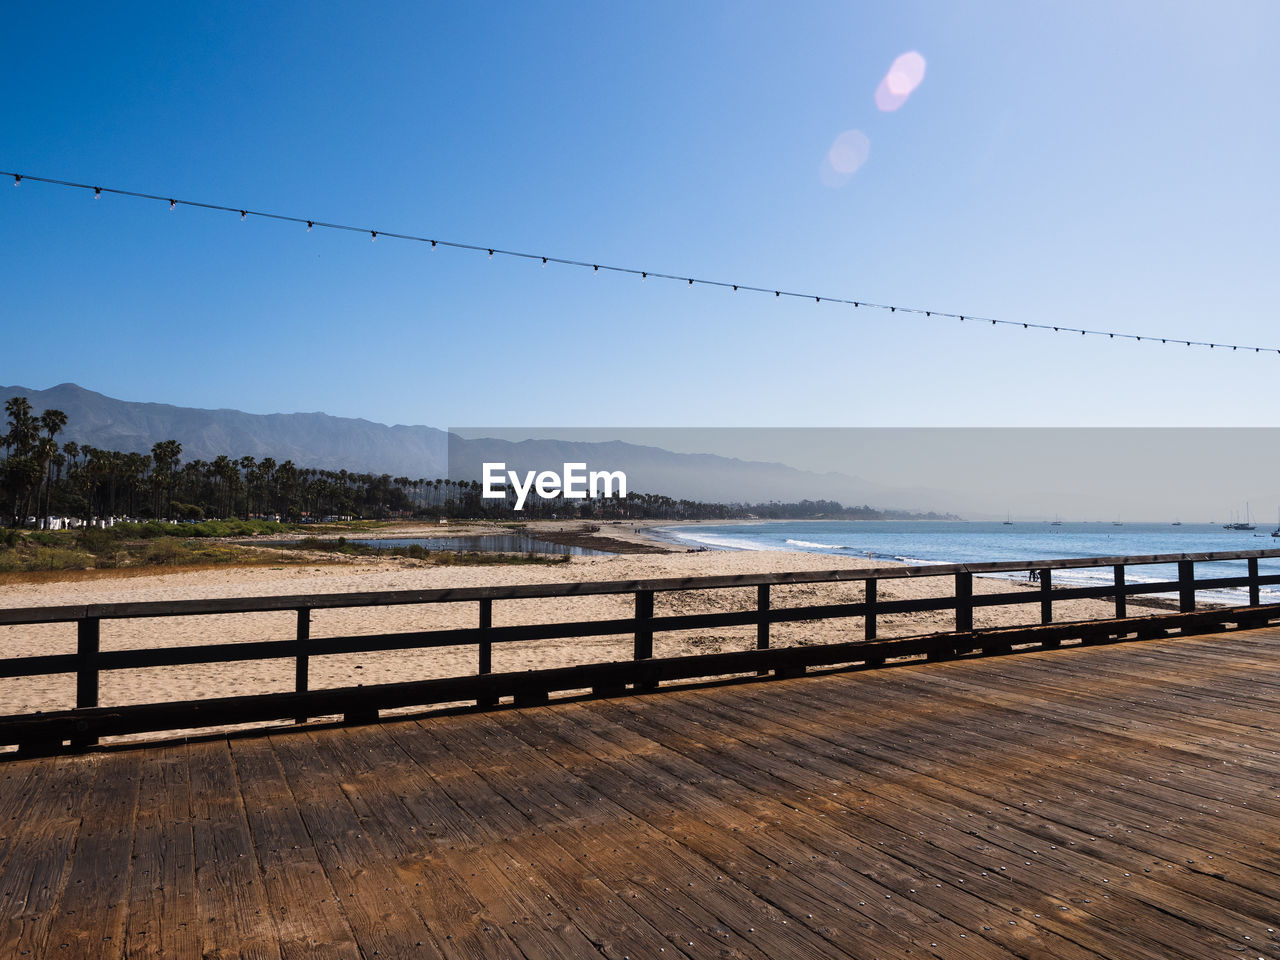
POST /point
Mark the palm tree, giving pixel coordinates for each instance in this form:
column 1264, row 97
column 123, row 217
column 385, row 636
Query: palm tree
column 165, row 454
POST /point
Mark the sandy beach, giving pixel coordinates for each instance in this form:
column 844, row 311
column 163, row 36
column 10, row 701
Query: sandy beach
column 139, row 686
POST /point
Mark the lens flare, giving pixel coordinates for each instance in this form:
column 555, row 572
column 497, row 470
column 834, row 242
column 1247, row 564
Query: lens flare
column 900, row 82
column 847, row 153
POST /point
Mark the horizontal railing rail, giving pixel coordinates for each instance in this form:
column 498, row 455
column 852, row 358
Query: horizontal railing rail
column 88, row 721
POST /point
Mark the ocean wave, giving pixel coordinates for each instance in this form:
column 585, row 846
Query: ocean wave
column 721, row 542
column 818, row 546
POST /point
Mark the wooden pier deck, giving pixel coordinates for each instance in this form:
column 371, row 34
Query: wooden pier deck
column 1117, row 801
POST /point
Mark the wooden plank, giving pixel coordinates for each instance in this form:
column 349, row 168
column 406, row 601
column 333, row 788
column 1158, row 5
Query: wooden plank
column 693, row 902
column 89, row 920
column 309, row 919
column 614, row 923
column 22, row 787
column 960, row 781
column 231, row 902
column 955, row 762
column 162, row 889
column 378, row 902
column 931, row 880
column 962, row 699
column 34, row 875
column 1035, row 848
column 1140, row 730
column 498, row 910
column 858, row 907
column 1112, row 932
column 1113, row 801
column 1195, row 820
column 453, row 902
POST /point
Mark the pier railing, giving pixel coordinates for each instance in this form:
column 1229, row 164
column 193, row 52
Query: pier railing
column 84, row 724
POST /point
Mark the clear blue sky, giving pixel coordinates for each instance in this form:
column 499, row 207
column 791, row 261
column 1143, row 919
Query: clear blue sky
column 1102, row 164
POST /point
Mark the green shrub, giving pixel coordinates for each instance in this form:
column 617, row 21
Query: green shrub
column 165, row 551
column 97, row 540
column 45, row 558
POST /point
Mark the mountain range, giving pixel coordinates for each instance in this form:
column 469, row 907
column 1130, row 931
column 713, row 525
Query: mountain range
column 362, row 446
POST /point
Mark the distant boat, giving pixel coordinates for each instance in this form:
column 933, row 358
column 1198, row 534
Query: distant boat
column 1177, row 523
column 1008, row 522
column 1276, row 531
column 1245, row 525
column 1240, row 524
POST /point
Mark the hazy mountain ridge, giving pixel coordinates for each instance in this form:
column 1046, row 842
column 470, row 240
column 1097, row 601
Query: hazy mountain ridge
column 362, row 446
column 308, row 439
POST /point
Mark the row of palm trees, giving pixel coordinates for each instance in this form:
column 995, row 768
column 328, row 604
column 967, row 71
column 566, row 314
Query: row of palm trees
column 30, row 449
column 39, row 478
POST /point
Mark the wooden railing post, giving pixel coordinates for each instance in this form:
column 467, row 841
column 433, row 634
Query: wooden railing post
column 964, row 602
column 1120, row 594
column 302, row 659
column 644, row 633
column 88, row 642
column 1186, row 586
column 486, row 645
column 1046, row 595
column 869, row 617
column 762, row 624
column 1255, row 591
column 762, row 608
column 485, row 665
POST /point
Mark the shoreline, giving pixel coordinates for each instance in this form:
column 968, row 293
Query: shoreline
column 612, row 536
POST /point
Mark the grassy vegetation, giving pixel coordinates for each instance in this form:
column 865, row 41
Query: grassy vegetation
column 153, row 529
column 125, row 545
column 416, row 551
column 150, row 545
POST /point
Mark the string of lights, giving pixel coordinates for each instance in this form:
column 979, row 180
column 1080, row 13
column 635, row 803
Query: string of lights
column 373, row 234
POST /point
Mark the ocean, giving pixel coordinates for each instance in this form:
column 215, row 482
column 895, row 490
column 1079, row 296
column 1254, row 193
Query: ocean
column 927, row 542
